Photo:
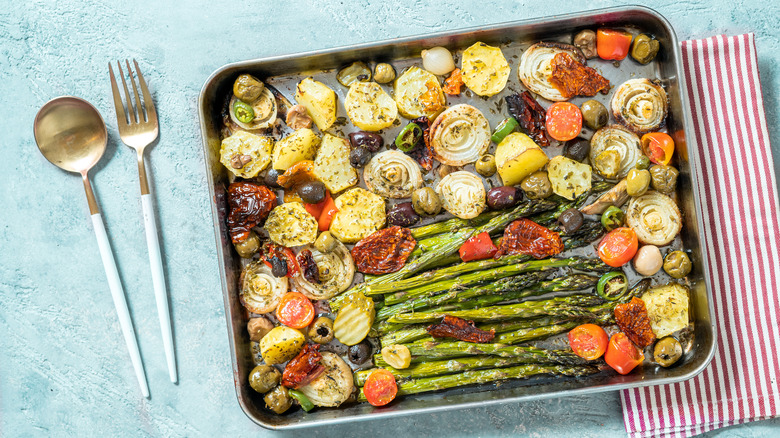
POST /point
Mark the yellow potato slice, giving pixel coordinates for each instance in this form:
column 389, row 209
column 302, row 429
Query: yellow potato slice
column 418, row 93
column 484, row 69
column 369, row 107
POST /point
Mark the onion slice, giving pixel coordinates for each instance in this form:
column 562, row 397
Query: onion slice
column 260, row 290
column 337, row 269
column 535, row 70
column 619, row 139
column 334, row 386
column 392, row 174
column 265, row 112
column 640, row 105
column 460, row 135
column 462, row 194
column 654, row 217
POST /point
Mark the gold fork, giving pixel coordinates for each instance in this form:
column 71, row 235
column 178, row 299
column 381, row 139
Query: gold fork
column 138, row 128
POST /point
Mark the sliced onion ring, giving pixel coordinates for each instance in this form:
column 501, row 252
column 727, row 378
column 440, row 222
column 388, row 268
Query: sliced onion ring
column 460, row 135
column 260, row 290
column 654, row 217
column 392, row 174
column 462, row 194
column 535, row 71
column 619, row 139
column 640, row 105
column 337, row 270
column 265, row 111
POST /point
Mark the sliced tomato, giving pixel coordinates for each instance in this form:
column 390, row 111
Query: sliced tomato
column 658, row 146
column 622, row 355
column 618, row 247
column 563, row 121
column 295, row 310
column 380, row 388
column 316, row 209
column 588, row 341
column 613, row 44
column 328, row 210
column 478, row 247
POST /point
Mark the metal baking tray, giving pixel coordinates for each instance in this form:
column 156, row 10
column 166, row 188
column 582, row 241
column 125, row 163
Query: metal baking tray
column 285, row 70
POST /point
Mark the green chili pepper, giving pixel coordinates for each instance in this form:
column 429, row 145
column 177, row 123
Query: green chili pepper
column 643, row 162
column 612, row 218
column 408, row 138
column 306, row 404
column 612, row 285
column 243, row 111
column 503, row 129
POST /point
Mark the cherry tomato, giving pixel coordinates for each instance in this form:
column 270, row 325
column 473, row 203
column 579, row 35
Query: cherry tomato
column 622, row 355
column 658, row 146
column 478, row 247
column 588, row 341
column 380, row 388
column 564, row 121
column 295, row 310
column 316, row 209
column 618, row 247
column 328, row 210
column 612, row 44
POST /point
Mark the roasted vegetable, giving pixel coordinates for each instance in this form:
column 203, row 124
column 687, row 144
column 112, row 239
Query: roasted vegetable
column 637, row 182
column 332, row 165
column 298, row 146
column 321, row 330
column 563, row 121
column 298, row 118
column 484, row 69
column 264, row 378
column 258, row 327
column 246, row 154
column 278, row 400
column 644, row 48
column 460, row 135
column 453, row 83
column 249, row 246
column 355, row 72
column 319, row 100
column 525, row 236
column 677, row 264
column 461, row 329
column 248, row 88
column 303, row 368
column 359, row 214
column 478, row 247
column 426, row 201
column 249, row 204
column 281, row 344
column 384, row 73
column 261, row 291
column 571, row 220
column 535, row 72
column 295, row 310
column 588, row 341
column 463, row 194
column 585, row 40
column 517, row 157
column 359, row 157
column 594, row 114
column 290, row 224
column 418, row 93
column 380, row 388
column 622, row 355
column 633, row 320
column 612, row 218
column 612, row 44
column 640, row 105
column 437, row 60
column 369, row 140
column 667, row 351
column 664, row 178
column 384, row 251
column 618, row 247
column 397, row 356
column 574, row 78
column 369, row 107
column 607, row 163
column 616, row 196
column 336, row 271
column 569, row 178
column 620, row 140
column 612, row 286
column 530, row 115
column 537, row 185
column 486, row 165
column 667, row 308
column 392, row 174
column 254, row 115
column 658, row 146
column 648, row 260
column 655, row 218
column 334, row 386
column 354, row 319
column 402, row 215
column 501, row 198
column 311, row 192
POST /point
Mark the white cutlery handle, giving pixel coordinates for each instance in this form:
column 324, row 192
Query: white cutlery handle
column 119, row 301
column 158, row 280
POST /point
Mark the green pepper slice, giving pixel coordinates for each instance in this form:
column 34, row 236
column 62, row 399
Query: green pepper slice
column 409, row 136
column 306, row 404
column 612, row 218
column 243, row 111
column 503, row 129
column 612, row 285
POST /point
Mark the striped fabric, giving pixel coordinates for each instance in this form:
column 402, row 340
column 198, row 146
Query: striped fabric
column 738, row 190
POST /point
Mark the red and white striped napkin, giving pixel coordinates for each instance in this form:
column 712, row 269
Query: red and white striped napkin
column 738, row 191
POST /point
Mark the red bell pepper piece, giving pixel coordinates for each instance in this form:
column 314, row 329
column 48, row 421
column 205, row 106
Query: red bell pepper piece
column 478, row 247
column 328, row 210
column 613, row 44
column 316, row 209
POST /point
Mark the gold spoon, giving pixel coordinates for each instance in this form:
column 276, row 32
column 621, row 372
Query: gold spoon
column 71, row 134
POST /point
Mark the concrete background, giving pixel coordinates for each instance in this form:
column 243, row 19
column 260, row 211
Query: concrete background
column 64, row 369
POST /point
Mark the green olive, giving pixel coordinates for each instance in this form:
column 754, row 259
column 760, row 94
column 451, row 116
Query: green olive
column 384, row 73
column 486, row 165
column 321, row 330
column 594, row 114
column 642, row 163
column 667, row 351
column 664, row 178
column 249, row 246
column 537, row 185
column 355, row 72
column 607, row 164
column 644, row 48
column 677, row 264
column 248, row 88
column 426, row 201
column 278, row 400
column 637, row 182
column 325, row 242
column 264, row 378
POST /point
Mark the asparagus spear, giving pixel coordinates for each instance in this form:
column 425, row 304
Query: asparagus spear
column 462, row 348
column 426, row 384
column 451, row 225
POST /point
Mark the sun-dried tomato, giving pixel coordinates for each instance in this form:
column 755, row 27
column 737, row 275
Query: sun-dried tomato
column 633, row 320
column 453, row 83
column 384, row 251
column 573, row 78
column 530, row 115
column 525, row 236
column 308, row 266
column 423, row 152
column 250, row 204
column 459, row 328
column 273, row 251
column 304, row 368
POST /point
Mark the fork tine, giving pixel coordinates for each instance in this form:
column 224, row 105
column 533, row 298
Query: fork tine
column 130, row 109
column 121, row 117
column 151, row 113
column 135, row 92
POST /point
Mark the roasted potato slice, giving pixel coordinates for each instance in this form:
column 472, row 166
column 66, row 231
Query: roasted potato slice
column 319, row 100
column 418, row 93
column 369, row 107
column 484, row 69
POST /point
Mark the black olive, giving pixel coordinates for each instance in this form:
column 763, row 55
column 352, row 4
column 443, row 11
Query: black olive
column 360, row 353
column 278, row 266
column 499, row 198
column 359, row 157
column 369, row 140
column 571, row 220
column 270, row 178
column 576, row 149
column 403, row 215
column 312, row 192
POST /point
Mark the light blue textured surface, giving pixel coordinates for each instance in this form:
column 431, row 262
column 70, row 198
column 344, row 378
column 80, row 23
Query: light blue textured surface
column 64, row 369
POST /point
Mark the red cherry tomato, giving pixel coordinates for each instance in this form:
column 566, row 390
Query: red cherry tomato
column 316, row 209
column 622, row 355
column 380, row 388
column 618, row 247
column 658, row 146
column 563, row 121
column 328, row 210
column 588, row 341
column 478, row 247
column 612, row 44
column 295, row 310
